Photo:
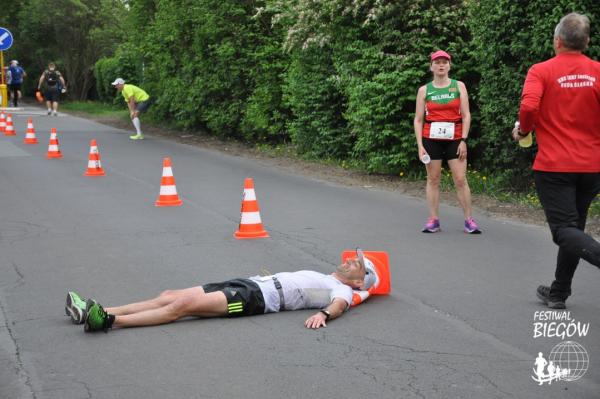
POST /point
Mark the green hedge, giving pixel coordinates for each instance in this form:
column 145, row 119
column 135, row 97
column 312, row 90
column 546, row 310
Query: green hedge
column 125, row 64
column 338, row 79
column 508, row 39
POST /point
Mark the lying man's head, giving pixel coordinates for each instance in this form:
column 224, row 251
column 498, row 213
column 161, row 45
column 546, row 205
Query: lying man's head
column 357, row 272
column 351, row 272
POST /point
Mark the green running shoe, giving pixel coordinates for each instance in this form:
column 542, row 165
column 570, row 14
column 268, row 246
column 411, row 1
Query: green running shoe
column 96, row 319
column 137, row 137
column 75, row 307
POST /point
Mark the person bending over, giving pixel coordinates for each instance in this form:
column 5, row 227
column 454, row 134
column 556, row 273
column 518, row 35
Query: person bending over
column 138, row 101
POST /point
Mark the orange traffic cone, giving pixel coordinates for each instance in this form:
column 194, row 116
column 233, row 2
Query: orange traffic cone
column 94, row 167
column 30, row 134
column 250, row 223
column 376, row 262
column 168, row 192
column 2, row 122
column 53, row 150
column 10, row 129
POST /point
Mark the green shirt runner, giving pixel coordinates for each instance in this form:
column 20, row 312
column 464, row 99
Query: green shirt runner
column 138, row 94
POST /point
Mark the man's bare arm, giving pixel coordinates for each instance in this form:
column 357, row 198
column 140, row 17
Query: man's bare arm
column 336, row 308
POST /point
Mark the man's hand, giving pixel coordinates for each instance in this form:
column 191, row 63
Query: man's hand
column 315, row 321
column 516, row 135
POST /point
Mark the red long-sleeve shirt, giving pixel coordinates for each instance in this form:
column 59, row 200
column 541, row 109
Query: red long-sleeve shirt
column 561, row 101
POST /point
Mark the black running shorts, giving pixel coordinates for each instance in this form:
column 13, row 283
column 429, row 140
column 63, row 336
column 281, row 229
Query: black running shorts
column 441, row 149
column 244, row 298
column 143, row 106
column 52, row 94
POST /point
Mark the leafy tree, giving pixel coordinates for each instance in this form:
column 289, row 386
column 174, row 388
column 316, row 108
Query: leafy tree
column 72, row 33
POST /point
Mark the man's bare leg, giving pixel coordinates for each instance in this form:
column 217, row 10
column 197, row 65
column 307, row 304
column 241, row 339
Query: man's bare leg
column 165, row 298
column 189, row 302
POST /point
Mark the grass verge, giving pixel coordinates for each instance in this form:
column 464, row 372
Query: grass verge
column 96, row 109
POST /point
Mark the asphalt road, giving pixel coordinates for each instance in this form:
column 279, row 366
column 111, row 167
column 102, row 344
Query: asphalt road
column 459, row 322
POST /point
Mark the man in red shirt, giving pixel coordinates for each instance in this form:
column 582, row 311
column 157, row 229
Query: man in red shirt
column 561, row 102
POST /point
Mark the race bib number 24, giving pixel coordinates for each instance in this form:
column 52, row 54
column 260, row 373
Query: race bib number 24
column 442, row 130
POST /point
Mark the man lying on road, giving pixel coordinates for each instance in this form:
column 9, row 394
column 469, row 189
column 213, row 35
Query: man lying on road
column 304, row 289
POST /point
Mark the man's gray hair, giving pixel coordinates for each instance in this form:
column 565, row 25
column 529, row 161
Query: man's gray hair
column 574, row 31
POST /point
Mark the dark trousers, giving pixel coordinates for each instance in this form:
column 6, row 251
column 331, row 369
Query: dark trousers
column 14, row 89
column 566, row 198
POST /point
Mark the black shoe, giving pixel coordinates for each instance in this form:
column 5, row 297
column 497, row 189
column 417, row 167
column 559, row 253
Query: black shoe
column 543, row 292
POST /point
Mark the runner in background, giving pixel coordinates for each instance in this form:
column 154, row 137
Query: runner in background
column 15, row 75
column 55, row 85
column 442, row 122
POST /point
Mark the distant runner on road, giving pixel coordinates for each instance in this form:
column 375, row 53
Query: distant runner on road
column 55, row 86
column 304, row 289
column 561, row 102
column 15, row 76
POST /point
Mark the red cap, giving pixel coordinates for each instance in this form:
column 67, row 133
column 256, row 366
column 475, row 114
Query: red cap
column 440, row 54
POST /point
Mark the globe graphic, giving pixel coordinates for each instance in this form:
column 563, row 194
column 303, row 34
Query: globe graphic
column 571, row 356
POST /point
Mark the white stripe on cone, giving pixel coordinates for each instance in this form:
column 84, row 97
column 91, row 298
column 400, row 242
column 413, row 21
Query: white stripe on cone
column 167, row 171
column 168, row 190
column 249, row 194
column 52, row 148
column 94, row 164
column 250, row 218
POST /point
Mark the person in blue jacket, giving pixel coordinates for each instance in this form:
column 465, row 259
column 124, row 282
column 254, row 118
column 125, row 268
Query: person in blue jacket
column 16, row 75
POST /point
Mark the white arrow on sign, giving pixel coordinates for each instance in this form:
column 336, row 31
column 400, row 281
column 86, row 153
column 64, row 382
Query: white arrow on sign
column 3, row 37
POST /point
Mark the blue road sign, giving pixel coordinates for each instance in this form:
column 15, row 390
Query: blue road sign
column 6, row 39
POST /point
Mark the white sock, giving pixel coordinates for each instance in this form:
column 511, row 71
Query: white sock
column 137, row 124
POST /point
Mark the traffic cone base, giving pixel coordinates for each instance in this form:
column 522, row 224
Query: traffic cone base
column 56, row 154
column 168, row 191
column 251, row 234
column 174, row 202
column 94, row 172
column 250, row 224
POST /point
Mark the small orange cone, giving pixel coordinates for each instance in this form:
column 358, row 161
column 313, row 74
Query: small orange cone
column 250, row 223
column 94, row 167
column 2, row 122
column 30, row 134
column 168, row 192
column 53, row 150
column 10, row 129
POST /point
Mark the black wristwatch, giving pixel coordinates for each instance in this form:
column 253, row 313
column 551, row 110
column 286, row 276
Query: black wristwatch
column 327, row 314
column 463, row 139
